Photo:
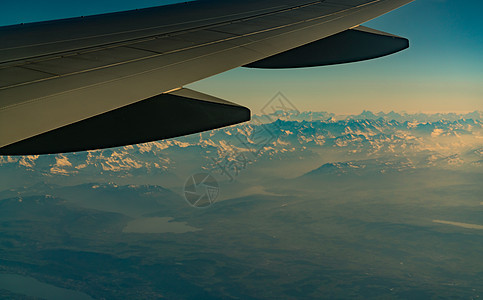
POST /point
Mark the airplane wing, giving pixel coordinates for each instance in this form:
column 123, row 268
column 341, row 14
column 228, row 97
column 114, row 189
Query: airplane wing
column 116, row 79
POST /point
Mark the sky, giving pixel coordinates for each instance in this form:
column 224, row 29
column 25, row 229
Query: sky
column 442, row 71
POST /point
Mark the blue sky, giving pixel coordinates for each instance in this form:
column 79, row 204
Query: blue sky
column 442, row 70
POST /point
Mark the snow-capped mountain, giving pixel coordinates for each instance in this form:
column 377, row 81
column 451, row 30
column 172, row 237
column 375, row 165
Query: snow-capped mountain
column 442, row 140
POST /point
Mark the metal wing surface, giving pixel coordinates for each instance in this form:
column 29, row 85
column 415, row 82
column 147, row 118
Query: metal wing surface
column 57, row 73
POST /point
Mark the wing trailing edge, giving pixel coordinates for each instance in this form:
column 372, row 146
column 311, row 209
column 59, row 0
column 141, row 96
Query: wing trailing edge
column 164, row 116
column 352, row 45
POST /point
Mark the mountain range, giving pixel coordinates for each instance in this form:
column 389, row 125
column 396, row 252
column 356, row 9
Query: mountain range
column 303, row 139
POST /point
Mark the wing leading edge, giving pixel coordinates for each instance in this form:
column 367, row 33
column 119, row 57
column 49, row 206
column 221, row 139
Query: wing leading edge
column 81, row 70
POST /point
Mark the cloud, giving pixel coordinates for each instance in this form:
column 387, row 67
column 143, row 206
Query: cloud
column 464, row 225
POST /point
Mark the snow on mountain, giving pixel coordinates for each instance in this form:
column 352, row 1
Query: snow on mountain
column 441, row 139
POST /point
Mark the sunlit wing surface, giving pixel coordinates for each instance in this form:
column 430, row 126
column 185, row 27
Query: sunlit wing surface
column 59, row 73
